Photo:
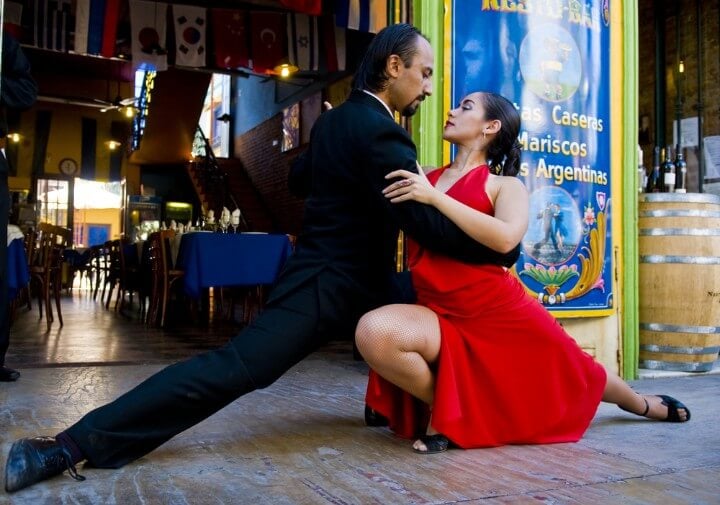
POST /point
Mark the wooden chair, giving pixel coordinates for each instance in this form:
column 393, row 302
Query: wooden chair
column 129, row 278
column 154, row 252
column 46, row 267
column 94, row 269
column 30, row 244
column 102, row 271
column 165, row 275
column 112, row 269
column 123, row 274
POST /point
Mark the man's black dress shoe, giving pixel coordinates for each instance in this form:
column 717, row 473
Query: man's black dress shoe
column 32, row 460
column 8, row 374
column 374, row 418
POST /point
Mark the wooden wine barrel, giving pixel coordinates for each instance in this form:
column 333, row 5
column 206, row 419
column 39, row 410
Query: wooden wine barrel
column 679, row 249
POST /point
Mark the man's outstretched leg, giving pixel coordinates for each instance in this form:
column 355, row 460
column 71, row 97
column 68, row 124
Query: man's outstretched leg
column 177, row 397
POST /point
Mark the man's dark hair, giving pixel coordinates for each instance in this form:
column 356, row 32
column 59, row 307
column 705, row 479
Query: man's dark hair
column 400, row 39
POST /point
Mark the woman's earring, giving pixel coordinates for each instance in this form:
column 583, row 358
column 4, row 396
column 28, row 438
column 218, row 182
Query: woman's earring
column 484, row 135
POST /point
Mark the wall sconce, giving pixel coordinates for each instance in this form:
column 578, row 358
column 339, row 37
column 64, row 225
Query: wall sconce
column 113, row 144
column 284, row 68
column 14, row 137
column 681, row 67
column 225, row 118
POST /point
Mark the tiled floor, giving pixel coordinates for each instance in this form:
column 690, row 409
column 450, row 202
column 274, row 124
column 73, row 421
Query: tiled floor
column 302, row 440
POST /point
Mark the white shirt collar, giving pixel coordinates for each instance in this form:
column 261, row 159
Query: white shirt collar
column 379, row 100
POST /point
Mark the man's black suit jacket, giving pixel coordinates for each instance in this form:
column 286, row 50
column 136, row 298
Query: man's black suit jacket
column 349, row 232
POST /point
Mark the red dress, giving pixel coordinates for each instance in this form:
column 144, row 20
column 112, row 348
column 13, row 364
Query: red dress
column 507, row 372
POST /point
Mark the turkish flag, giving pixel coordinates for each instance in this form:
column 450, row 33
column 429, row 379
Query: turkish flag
column 231, row 38
column 268, row 40
column 312, row 7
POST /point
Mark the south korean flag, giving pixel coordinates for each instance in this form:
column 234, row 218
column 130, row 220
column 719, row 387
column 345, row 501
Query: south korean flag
column 190, row 23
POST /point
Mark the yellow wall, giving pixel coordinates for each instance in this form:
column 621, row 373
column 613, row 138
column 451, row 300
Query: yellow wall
column 99, row 216
column 65, row 141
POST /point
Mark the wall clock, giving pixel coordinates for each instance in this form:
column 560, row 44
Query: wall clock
column 68, row 166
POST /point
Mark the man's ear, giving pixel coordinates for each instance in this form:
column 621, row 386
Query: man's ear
column 393, row 64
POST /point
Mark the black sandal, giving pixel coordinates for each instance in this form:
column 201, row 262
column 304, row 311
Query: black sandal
column 433, row 443
column 671, row 403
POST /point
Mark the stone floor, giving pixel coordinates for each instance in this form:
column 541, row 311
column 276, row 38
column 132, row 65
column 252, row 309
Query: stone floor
column 303, row 441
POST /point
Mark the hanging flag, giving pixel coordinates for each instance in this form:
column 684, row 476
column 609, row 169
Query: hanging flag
column 312, row 7
column 58, row 29
column 39, row 23
column 230, row 38
column 378, row 15
column 82, row 26
column 148, row 27
column 302, row 34
column 49, row 21
column 268, row 40
column 96, row 24
column 334, row 44
column 12, row 20
column 363, row 15
column 110, row 25
column 190, row 39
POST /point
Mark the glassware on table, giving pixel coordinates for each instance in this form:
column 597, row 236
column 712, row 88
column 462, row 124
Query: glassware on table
column 224, row 222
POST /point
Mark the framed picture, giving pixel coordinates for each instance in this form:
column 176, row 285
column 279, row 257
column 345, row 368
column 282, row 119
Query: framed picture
column 291, row 127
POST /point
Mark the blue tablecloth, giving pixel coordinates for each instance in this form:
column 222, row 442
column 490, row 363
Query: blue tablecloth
column 228, row 259
column 18, row 273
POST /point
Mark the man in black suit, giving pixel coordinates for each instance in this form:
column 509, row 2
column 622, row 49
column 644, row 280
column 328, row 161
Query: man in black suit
column 342, row 267
column 17, row 92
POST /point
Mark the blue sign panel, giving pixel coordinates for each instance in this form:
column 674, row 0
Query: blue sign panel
column 551, row 58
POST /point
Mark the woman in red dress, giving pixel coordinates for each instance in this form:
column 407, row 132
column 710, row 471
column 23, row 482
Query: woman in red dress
column 488, row 364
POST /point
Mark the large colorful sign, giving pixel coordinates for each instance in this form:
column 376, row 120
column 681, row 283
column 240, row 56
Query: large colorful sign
column 551, row 58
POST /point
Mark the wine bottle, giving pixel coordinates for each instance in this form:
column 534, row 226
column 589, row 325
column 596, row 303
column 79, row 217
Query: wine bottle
column 668, row 171
column 653, row 182
column 641, row 173
column 680, row 172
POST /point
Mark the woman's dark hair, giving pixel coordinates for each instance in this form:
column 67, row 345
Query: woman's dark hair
column 400, row 39
column 503, row 153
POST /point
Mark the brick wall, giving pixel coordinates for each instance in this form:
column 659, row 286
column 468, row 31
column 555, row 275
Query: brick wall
column 267, row 168
column 688, row 83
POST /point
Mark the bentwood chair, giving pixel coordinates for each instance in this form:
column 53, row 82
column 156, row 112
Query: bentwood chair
column 46, row 267
column 168, row 275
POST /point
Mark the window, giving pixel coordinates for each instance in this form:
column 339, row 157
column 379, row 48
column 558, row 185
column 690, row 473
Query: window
column 53, row 201
column 215, row 116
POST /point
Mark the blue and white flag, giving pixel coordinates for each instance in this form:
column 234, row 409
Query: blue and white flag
column 303, row 41
column 363, row 15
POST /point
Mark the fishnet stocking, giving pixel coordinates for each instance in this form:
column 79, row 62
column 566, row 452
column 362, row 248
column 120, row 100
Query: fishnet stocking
column 401, row 342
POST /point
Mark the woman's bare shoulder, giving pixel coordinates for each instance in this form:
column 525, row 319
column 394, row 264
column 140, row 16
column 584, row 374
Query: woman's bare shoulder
column 510, row 183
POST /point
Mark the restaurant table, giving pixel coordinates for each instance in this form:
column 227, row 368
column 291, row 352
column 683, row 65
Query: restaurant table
column 18, row 273
column 230, row 259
